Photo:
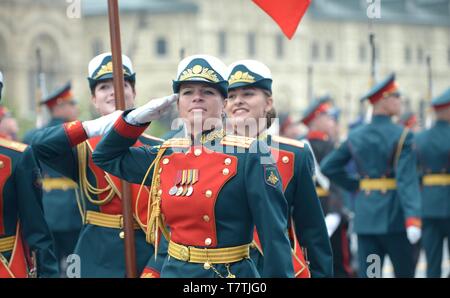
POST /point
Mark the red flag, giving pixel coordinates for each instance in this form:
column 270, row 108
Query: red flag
column 286, row 13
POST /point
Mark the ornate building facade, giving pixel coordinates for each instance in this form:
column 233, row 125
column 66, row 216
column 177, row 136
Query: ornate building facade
column 330, row 52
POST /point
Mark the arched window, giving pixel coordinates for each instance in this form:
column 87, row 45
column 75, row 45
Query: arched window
column 161, row 47
column 251, row 44
column 279, row 46
column 97, row 47
column 44, row 69
column 3, row 54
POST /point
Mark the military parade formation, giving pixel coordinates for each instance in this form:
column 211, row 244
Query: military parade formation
column 234, row 190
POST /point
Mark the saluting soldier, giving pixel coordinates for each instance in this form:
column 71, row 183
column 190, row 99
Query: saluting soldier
column 100, row 244
column 211, row 189
column 433, row 151
column 388, row 200
column 60, row 196
column 249, row 100
column 319, row 117
column 25, row 239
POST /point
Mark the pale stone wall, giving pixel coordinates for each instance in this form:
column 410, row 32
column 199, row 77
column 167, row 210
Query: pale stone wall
column 69, row 44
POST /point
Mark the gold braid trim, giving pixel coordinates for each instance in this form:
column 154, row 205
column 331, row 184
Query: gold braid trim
column 136, row 211
column 155, row 221
column 87, row 187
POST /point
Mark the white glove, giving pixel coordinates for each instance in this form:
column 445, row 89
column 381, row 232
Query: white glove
column 413, row 233
column 332, row 221
column 151, row 110
column 100, row 126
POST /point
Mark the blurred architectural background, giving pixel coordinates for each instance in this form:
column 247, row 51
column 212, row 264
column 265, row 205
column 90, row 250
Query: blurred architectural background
column 330, row 52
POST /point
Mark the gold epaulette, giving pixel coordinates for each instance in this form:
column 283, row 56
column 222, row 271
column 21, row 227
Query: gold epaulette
column 288, row 141
column 147, row 136
column 177, row 142
column 239, row 141
column 13, row 145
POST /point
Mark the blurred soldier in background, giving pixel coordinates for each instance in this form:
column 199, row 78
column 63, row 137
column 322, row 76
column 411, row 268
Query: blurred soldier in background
column 26, row 244
column 388, row 200
column 320, row 117
column 60, row 196
column 433, row 147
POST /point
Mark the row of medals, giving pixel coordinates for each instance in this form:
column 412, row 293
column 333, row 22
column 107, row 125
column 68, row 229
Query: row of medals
column 184, row 181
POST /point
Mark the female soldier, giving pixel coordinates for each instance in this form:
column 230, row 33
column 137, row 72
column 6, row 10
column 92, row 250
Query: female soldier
column 210, row 189
column 250, row 99
column 100, row 244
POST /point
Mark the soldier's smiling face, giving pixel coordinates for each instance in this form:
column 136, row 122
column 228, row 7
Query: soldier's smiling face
column 247, row 103
column 200, row 102
column 104, row 98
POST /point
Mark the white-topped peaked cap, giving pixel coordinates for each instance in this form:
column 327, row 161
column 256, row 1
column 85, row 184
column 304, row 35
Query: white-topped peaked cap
column 101, row 68
column 244, row 73
column 202, row 68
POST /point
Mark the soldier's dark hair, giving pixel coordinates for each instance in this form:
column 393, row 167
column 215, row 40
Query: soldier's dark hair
column 272, row 114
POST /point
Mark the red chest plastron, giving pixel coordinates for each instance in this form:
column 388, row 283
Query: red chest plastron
column 191, row 215
column 285, row 165
column 5, row 173
column 115, row 205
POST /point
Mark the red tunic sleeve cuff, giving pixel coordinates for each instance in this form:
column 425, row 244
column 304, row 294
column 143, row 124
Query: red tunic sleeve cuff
column 75, row 132
column 413, row 221
column 150, row 273
column 127, row 130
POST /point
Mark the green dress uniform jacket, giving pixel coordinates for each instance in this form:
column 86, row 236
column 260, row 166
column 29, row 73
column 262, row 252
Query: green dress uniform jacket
column 100, row 246
column 21, row 216
column 234, row 188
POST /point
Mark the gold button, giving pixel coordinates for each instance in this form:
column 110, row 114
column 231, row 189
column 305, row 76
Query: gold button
column 208, row 241
column 160, row 192
column 252, row 245
column 206, row 218
column 197, row 152
column 2, row 164
column 208, row 193
column 226, row 171
column 165, row 161
column 227, row 161
column 160, row 170
column 285, row 159
column 206, row 266
column 122, row 234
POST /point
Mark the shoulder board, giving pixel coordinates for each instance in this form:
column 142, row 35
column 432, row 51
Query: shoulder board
column 147, row 136
column 238, row 141
column 177, row 142
column 288, row 141
column 13, row 145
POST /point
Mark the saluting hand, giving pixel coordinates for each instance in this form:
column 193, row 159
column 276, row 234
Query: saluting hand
column 151, row 110
column 100, row 126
